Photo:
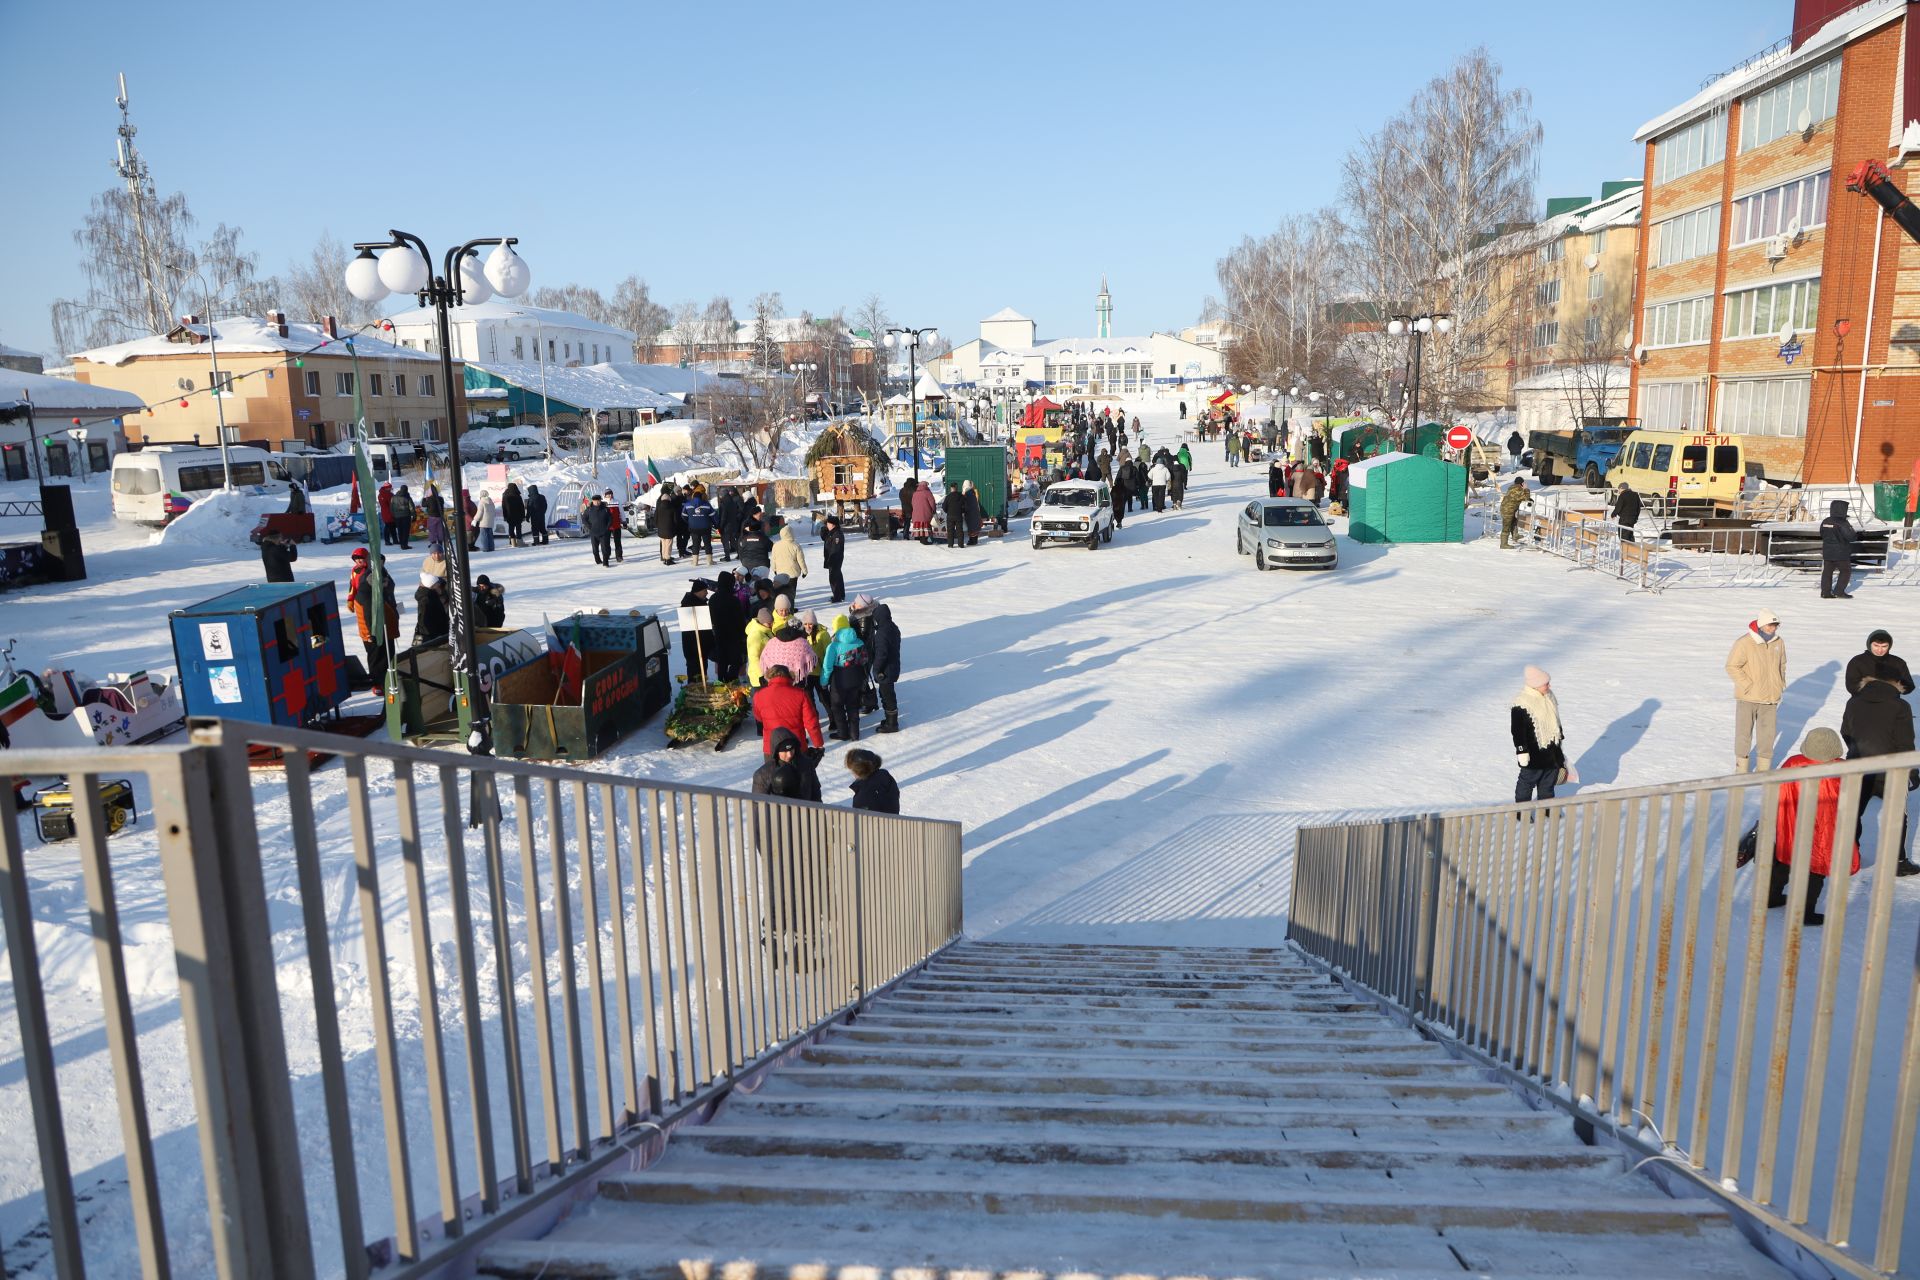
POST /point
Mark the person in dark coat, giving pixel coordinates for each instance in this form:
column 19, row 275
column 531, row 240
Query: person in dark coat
column 696, row 513
column 1626, row 510
column 513, row 509
column 728, row 648
column 666, row 522
column 790, row 757
column 402, row 517
column 277, row 553
column 537, row 515
column 489, row 603
column 430, row 624
column 1177, row 485
column 1837, row 536
column 434, row 507
column 296, row 499
column 874, row 789
column 1183, row 411
column 1878, row 722
column 730, row 515
column 1878, row 660
column 597, row 520
column 1539, row 742
column 1516, row 446
column 1118, row 493
column 907, row 487
column 955, row 507
column 1277, row 478
column 970, row 500
column 833, row 553
column 756, row 548
column 874, row 622
column 698, row 647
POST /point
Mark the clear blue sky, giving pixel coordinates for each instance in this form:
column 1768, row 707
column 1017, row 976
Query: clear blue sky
column 729, row 148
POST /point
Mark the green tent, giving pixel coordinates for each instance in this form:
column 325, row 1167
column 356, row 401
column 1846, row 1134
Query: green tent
column 1403, row 497
column 1357, row 440
column 1425, row 439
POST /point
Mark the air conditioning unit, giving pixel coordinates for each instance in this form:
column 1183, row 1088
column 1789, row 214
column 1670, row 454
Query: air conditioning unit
column 1777, row 247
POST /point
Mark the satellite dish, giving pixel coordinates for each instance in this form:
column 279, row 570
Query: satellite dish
column 1804, row 121
column 1793, row 227
column 1786, row 333
column 1593, row 261
column 185, row 384
column 1626, row 343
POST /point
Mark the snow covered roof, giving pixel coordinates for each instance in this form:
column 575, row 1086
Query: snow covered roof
column 1094, row 346
column 16, row 353
column 596, row 386
column 1775, row 64
column 52, row 395
column 1004, row 313
column 1568, row 376
column 499, row 310
column 667, row 379
column 249, row 335
column 929, row 388
column 1357, row 473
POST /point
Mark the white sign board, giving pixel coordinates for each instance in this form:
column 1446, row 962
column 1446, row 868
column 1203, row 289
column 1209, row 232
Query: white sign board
column 215, row 644
column 696, row 618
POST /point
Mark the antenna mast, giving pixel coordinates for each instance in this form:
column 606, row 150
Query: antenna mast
column 156, row 298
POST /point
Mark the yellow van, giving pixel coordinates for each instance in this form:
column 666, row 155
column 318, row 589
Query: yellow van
column 1683, row 465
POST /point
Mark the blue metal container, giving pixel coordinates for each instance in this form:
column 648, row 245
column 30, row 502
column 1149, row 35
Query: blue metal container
column 272, row 653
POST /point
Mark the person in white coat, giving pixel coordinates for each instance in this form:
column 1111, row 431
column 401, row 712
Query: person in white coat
column 1158, row 477
column 483, row 523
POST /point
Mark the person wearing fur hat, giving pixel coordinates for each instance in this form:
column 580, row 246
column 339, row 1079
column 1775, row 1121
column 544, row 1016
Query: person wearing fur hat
column 874, row 789
column 1538, row 739
column 1758, row 664
column 1821, row 746
column 1878, row 722
column 1868, row 663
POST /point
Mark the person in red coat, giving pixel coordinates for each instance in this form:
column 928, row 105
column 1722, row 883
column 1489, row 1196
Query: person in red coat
column 1821, row 746
column 779, row 705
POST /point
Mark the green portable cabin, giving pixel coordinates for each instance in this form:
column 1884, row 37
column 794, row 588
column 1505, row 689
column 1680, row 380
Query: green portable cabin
column 1427, row 440
column 986, row 466
column 1357, row 441
column 1402, row 497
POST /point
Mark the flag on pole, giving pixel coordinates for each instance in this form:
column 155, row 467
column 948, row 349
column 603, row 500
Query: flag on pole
column 653, row 473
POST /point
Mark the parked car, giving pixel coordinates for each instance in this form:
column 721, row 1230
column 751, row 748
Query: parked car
column 1074, row 511
column 1683, row 465
column 1285, row 533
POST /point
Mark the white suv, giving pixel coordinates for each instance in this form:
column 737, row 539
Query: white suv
column 1074, row 511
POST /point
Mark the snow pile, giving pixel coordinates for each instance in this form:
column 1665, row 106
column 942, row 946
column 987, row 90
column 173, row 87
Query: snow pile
column 218, row 520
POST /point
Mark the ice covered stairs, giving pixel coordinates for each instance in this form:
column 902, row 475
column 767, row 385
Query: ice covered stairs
column 1129, row 1111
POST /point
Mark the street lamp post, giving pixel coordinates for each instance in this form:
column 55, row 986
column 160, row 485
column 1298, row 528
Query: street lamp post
column 910, row 339
column 1419, row 326
column 406, row 266
column 800, row 370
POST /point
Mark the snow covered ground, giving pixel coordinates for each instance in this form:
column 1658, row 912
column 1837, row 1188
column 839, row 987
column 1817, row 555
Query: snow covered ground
column 1129, row 736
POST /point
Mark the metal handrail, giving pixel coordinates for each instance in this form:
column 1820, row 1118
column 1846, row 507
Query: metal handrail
column 681, row 939
column 1586, row 948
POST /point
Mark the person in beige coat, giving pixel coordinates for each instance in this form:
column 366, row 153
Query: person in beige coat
column 1758, row 665
column 787, row 556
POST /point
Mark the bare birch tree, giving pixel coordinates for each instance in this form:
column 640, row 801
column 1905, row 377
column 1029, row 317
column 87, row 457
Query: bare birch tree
column 317, row 287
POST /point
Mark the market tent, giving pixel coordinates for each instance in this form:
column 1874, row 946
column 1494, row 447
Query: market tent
column 1356, row 441
column 1403, row 497
column 1036, row 413
column 1224, row 398
column 1425, row 439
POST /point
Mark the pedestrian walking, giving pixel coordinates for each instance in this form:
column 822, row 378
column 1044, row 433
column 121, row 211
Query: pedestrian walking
column 882, row 637
column 597, row 520
column 1278, row 482
column 907, row 488
column 923, row 509
column 1626, row 510
column 513, row 510
column 384, row 501
column 1878, row 660
column 874, row 789
column 1516, row 496
column 1159, row 477
column 833, row 554
column 1177, row 481
column 1878, row 722
column 1539, row 741
column 1516, row 446
column 536, row 515
column 1758, row 664
column 1821, row 746
column 1837, row 536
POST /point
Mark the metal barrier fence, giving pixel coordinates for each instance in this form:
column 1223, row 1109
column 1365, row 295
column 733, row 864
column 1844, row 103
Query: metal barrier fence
column 372, row 983
column 1608, row 952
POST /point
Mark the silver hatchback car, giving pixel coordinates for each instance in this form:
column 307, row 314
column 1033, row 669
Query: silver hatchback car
column 1285, row 533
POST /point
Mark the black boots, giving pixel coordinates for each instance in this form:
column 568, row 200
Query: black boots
column 890, row 725
column 1777, row 896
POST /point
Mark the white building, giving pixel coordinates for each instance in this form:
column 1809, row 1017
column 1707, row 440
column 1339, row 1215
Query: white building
column 1008, row 358
column 496, row 331
column 52, row 428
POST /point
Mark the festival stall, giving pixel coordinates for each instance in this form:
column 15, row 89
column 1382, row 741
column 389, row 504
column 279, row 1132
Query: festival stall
column 1402, row 497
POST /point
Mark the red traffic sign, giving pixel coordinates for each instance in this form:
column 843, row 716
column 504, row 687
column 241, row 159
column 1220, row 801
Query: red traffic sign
column 1458, row 437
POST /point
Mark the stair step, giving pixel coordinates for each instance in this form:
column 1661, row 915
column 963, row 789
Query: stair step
column 1421, row 1080
column 1009, row 1019
column 1425, row 1061
column 892, row 1189
column 1163, row 1158
column 1212, row 1048
column 1464, row 1112
column 960, row 1002
column 609, row 1240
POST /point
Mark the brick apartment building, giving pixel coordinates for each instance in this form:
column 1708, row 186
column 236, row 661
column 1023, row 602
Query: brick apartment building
column 1756, row 265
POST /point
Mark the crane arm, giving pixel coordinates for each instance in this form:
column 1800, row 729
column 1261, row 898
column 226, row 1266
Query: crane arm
column 1872, row 179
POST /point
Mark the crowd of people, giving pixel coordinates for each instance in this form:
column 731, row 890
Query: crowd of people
column 1877, row 721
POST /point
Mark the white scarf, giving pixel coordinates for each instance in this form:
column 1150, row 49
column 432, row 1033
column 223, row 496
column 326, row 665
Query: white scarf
column 1544, row 710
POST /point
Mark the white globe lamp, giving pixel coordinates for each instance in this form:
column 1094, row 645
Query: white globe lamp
column 1442, row 325
column 1396, row 327
column 474, row 286
column 403, row 270
column 507, row 272
column 363, row 278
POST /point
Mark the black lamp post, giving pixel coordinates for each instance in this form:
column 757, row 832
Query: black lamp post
column 1419, row 326
column 910, row 339
column 405, row 266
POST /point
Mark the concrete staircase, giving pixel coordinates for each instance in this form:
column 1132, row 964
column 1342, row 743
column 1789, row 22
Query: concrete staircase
column 1137, row 1112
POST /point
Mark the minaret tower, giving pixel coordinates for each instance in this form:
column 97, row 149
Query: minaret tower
column 1103, row 312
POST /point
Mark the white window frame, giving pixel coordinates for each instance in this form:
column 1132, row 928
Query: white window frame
column 1802, row 298
column 312, row 381
column 1596, row 285
column 1690, row 148
column 400, row 384
column 1773, row 406
column 343, row 382
column 426, row 385
column 1677, row 404
column 1801, row 196
column 1686, row 236
column 1546, row 335
column 1698, row 319
column 1547, row 293
column 1774, row 112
